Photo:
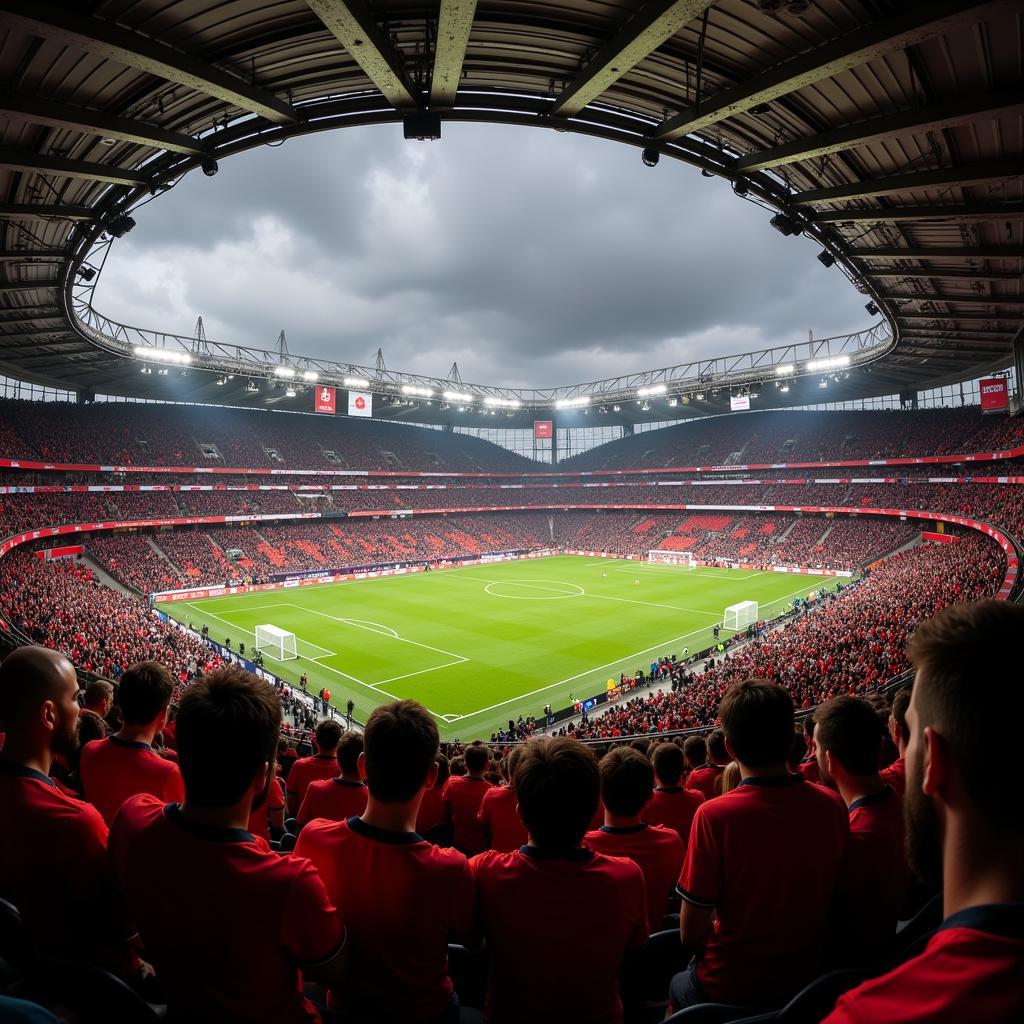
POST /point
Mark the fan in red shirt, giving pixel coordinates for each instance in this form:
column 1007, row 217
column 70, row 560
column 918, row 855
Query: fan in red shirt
column 322, row 765
column 707, row 778
column 431, row 820
column 896, row 774
column 965, row 825
column 809, row 765
column 52, row 846
column 228, row 924
column 342, row 797
column 575, row 912
column 402, row 898
column 627, row 783
column 774, row 843
column 873, row 883
column 671, row 805
column 122, row 765
column 498, row 811
column 463, row 795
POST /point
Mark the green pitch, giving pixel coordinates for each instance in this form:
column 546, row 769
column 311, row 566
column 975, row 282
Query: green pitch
column 486, row 643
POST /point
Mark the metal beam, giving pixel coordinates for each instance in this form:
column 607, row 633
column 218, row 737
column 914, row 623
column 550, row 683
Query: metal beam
column 930, row 118
column 965, row 211
column 64, row 23
column 638, row 38
column 958, row 176
column 20, row 160
column 44, row 211
column 94, row 122
column 950, row 275
column 878, row 38
column 7, row 255
column 454, row 23
column 356, row 28
column 981, row 252
column 973, row 300
column 960, row 318
column 9, row 288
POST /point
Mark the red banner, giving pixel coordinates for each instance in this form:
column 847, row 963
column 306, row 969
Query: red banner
column 324, row 399
column 995, row 395
column 543, row 428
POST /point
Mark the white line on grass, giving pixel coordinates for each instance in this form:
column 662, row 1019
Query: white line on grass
column 249, row 632
column 422, row 672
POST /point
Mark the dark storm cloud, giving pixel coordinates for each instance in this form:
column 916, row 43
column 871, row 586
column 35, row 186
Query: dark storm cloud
column 527, row 256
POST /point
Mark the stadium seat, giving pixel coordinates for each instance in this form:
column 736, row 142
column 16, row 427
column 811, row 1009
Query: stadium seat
column 468, row 971
column 912, row 934
column 720, row 1013
column 814, row 1002
column 647, row 972
column 16, row 948
column 88, row 994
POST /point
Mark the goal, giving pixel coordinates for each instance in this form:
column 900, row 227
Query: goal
column 664, row 557
column 279, row 644
column 739, row 616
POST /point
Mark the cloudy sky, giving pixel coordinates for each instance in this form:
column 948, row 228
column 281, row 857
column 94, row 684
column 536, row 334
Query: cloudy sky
column 527, row 256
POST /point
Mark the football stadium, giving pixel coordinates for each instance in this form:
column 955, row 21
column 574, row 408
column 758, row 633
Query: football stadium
column 653, row 663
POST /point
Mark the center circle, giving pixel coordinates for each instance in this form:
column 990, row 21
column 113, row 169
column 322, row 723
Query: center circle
column 533, row 590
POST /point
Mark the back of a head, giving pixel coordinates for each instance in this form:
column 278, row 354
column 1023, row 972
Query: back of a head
column 850, row 731
column 718, row 753
column 900, row 703
column 349, row 748
column 510, row 765
column 477, row 758
column 400, row 745
column 695, row 750
column 557, row 786
column 97, row 693
column 668, row 763
column 328, row 736
column 757, row 718
column 228, row 726
column 627, row 781
column 144, row 691
column 29, row 676
column 967, row 688
column 443, row 771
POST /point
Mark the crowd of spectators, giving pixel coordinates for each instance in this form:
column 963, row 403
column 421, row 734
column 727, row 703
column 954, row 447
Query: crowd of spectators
column 132, row 559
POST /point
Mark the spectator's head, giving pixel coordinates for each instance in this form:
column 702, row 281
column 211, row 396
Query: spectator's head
column 730, row 778
column 849, row 738
column 809, row 723
column 757, row 718
column 328, row 736
column 457, row 766
column 400, row 750
column 898, row 720
column 558, row 786
column 477, row 758
column 695, row 750
column 228, row 725
column 627, row 782
column 964, row 718
column 797, row 749
column 510, row 765
column 144, row 693
column 668, row 764
column 718, row 752
column 38, row 703
column 99, row 697
column 443, row 771
column 350, row 746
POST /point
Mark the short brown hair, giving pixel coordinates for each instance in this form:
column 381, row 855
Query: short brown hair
column 757, row 717
column 718, row 752
column 228, row 726
column 97, row 691
column 849, row 730
column 695, row 750
column 349, row 748
column 668, row 763
column 627, row 781
column 144, row 691
column 900, row 703
column 399, row 746
column 328, row 735
column 477, row 757
column 558, row 786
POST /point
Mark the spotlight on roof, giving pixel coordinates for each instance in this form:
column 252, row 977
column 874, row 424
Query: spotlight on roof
column 785, row 225
column 616, row 408
column 705, row 173
column 424, row 126
column 146, row 370
column 650, row 156
column 699, row 397
column 823, row 383
column 826, row 259
column 221, row 381
column 120, row 225
column 872, row 309
column 310, row 375
column 209, row 166
column 86, row 273
column 646, row 407
column 784, row 389
column 741, row 187
column 252, row 387
column 356, row 382
column 290, row 391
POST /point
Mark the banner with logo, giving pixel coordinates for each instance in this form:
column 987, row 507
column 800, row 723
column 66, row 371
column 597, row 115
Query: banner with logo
column 360, row 403
column 995, row 395
column 543, row 428
column 324, row 400
column 739, row 403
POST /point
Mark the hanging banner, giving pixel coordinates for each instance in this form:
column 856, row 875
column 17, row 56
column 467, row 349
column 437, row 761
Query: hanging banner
column 739, row 403
column 360, row 403
column 324, row 400
column 995, row 396
column 543, row 428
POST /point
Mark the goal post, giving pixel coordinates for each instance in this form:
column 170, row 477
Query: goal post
column 277, row 643
column 739, row 616
column 668, row 557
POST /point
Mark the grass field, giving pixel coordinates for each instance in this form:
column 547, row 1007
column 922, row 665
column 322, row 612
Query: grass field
column 482, row 644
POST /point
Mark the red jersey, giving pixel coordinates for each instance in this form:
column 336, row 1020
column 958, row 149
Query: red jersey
column 588, row 909
column 703, row 779
column 810, row 770
column 971, row 970
column 336, row 799
column 431, row 812
column 114, row 769
column 756, row 853
column 674, row 807
column 499, row 816
column 307, row 770
column 462, row 796
column 656, row 850
column 896, row 776
column 226, row 923
column 403, row 900
column 259, row 818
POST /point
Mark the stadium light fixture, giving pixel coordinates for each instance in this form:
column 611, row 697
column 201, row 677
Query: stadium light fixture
column 673, row 402
column 86, row 273
column 650, row 156
column 784, row 389
column 162, row 371
column 830, row 363
column 462, row 397
column 209, row 166
column 146, row 369
column 252, row 387
column 823, row 383
column 162, row 355
column 741, row 187
column 502, row 403
column 653, row 389
column 290, row 391
column 785, row 225
column 415, row 389
column 616, row 408
column 221, row 381
column 356, row 382
column 646, row 407
column 119, row 225
column 826, row 259
column 573, row 403
column 699, row 396
column 284, row 371
column 311, row 375
column 785, row 370
column 872, row 309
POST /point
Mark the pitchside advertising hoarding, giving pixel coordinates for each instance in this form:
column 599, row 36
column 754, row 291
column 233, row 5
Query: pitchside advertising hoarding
column 995, row 395
column 324, row 400
column 360, row 403
column 543, row 428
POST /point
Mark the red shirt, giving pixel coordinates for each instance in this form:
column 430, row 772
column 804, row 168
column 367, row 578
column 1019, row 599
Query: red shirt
column 499, row 815
column 656, row 850
column 336, row 799
column 307, row 770
column 226, row 923
column 756, row 854
column 431, row 812
column 674, row 807
column 970, row 971
column 703, row 780
column 558, row 927
column 259, row 818
column 462, row 797
column 896, row 776
column 809, row 769
column 114, row 769
column 403, row 900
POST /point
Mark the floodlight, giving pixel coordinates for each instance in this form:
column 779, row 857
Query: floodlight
column 872, row 309
column 573, row 403
column 290, row 391
column 785, row 370
column 209, row 166
column 504, row 403
column 119, row 225
column 252, row 387
column 310, row 375
column 699, row 396
column 650, row 156
column 785, row 225
column 741, row 187
column 415, row 389
column 829, row 363
column 162, row 355
column 284, row 371
column 823, row 383
column 784, row 389
column 616, row 408
column 653, row 389
column 825, row 258
column 458, row 396
column 356, row 382
column 86, row 273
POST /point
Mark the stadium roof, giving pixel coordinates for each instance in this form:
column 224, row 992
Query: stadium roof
column 890, row 133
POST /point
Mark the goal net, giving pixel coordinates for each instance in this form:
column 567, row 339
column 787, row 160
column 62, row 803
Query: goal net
column 739, row 616
column 278, row 644
column 658, row 557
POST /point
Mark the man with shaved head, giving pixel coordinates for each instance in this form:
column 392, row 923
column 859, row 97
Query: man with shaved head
column 52, row 846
